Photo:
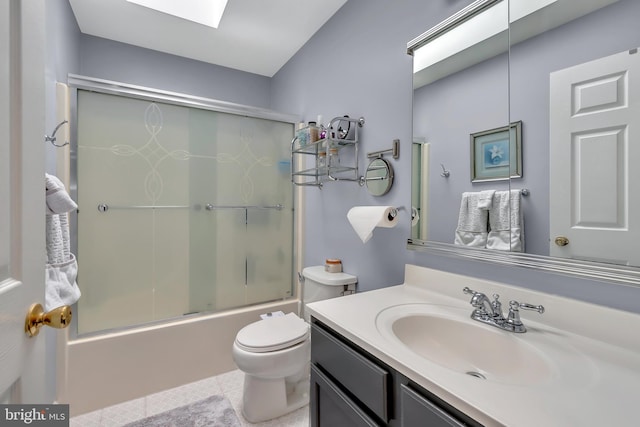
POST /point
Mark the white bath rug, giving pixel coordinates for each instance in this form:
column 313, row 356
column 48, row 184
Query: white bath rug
column 215, row 411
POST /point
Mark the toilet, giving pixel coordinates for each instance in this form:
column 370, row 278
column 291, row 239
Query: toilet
column 274, row 353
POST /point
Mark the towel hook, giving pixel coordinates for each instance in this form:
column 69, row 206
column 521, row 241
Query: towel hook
column 445, row 173
column 52, row 138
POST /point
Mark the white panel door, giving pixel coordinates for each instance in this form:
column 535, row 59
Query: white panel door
column 595, row 153
column 22, row 239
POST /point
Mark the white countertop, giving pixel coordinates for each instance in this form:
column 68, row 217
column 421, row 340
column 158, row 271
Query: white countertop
column 599, row 384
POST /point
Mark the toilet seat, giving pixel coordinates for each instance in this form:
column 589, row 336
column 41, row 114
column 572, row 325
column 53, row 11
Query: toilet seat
column 272, row 334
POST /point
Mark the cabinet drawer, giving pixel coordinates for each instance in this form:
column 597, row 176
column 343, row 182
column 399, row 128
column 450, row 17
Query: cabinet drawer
column 364, row 379
column 418, row 411
column 330, row 407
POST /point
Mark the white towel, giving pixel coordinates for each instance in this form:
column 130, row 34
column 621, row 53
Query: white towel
column 61, row 287
column 486, row 199
column 54, row 239
column 472, row 222
column 506, row 222
column 58, row 200
column 61, row 269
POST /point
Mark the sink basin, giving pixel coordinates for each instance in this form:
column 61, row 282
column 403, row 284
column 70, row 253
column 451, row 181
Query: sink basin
column 448, row 337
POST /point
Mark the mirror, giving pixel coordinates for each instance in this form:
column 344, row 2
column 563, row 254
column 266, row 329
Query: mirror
column 379, row 177
column 533, row 62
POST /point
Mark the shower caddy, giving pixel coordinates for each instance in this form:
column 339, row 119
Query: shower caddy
column 326, row 168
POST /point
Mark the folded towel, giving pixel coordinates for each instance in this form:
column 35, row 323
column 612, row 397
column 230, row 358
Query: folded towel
column 58, row 200
column 60, row 284
column 472, row 222
column 506, row 222
column 486, row 199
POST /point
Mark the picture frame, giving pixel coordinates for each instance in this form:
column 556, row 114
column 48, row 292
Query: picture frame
column 496, row 154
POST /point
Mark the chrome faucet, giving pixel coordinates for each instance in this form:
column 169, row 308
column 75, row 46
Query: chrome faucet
column 490, row 312
column 484, row 307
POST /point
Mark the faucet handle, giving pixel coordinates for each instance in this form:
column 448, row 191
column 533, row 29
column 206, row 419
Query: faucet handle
column 515, row 305
column 466, row 290
column 513, row 319
column 497, row 305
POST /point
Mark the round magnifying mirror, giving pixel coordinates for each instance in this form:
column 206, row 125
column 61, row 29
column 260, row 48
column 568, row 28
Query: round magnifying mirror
column 379, row 177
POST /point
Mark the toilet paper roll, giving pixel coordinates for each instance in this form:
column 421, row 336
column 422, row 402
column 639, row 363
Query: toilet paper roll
column 364, row 219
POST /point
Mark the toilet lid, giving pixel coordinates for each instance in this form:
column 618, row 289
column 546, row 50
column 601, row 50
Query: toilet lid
column 272, row 334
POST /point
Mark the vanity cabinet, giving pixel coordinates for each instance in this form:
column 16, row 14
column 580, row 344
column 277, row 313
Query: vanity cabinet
column 350, row 387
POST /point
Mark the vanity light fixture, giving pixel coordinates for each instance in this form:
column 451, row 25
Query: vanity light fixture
column 205, row 12
column 482, row 30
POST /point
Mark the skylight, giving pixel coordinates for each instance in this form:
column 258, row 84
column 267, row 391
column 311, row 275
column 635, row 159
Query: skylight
column 205, row 12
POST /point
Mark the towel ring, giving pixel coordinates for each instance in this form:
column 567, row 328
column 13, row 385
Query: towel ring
column 52, row 138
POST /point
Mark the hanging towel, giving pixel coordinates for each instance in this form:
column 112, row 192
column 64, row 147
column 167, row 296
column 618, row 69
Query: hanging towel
column 55, row 245
column 61, row 269
column 472, row 222
column 506, row 222
column 58, row 200
column 486, row 199
column 60, row 285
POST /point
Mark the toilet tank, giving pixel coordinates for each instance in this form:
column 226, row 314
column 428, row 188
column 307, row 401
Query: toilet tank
column 319, row 285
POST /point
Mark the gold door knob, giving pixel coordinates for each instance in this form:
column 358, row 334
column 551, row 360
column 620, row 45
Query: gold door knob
column 36, row 317
column 562, row 241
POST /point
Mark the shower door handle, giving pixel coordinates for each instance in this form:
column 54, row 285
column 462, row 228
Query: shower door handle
column 36, row 318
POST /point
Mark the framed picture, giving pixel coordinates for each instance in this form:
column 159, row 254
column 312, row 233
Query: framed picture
column 496, row 154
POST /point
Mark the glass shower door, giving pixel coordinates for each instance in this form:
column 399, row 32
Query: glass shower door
column 181, row 210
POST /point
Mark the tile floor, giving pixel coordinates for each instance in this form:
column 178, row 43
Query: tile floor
column 228, row 384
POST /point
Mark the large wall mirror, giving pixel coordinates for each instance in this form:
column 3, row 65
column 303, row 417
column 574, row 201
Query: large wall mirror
column 537, row 101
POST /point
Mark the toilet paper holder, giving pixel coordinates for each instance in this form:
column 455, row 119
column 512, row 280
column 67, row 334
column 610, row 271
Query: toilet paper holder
column 394, row 212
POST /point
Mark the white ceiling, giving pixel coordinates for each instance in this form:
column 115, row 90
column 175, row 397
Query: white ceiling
column 257, row 36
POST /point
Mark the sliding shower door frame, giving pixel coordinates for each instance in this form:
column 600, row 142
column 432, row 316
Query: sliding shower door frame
column 78, row 83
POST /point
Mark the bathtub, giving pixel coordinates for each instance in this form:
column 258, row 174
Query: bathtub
column 104, row 370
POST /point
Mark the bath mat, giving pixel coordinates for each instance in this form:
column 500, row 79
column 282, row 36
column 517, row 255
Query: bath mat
column 215, row 411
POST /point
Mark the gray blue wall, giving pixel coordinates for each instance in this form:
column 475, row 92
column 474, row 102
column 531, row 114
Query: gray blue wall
column 125, row 63
column 356, row 64
column 445, row 113
column 62, row 58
